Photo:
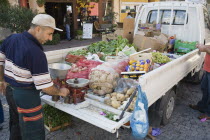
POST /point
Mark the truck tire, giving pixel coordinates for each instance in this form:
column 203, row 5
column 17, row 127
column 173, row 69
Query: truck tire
column 168, row 103
column 160, row 112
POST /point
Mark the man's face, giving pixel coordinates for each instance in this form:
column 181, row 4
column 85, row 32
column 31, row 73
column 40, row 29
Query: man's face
column 43, row 34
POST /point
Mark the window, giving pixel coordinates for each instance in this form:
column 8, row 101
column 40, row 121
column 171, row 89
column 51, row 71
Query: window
column 152, row 16
column 179, row 17
column 165, row 15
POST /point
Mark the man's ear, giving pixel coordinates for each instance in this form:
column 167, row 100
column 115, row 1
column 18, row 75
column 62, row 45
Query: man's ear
column 38, row 29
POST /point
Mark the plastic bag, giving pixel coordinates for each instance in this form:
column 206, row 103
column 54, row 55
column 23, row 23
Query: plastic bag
column 82, row 69
column 103, row 79
column 139, row 119
column 124, row 84
column 118, row 65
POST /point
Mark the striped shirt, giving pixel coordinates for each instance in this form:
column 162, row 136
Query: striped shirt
column 25, row 63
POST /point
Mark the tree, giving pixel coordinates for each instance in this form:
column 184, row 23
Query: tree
column 4, row 2
column 15, row 18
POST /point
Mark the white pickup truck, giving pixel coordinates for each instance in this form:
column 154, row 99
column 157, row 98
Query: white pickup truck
column 190, row 22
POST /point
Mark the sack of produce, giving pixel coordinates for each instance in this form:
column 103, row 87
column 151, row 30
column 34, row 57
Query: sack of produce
column 82, row 69
column 122, row 93
column 103, row 78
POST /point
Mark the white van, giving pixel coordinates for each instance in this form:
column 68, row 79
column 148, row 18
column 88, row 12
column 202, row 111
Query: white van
column 190, row 22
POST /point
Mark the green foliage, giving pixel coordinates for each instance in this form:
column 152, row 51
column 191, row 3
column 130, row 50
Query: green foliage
column 56, row 39
column 79, row 32
column 40, row 2
column 15, row 18
column 4, row 2
column 109, row 48
column 54, row 117
column 83, row 52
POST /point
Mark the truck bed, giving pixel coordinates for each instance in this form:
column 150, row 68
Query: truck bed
column 155, row 84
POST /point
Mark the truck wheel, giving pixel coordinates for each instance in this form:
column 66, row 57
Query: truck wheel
column 169, row 104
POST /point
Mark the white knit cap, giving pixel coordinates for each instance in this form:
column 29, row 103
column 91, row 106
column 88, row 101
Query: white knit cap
column 45, row 20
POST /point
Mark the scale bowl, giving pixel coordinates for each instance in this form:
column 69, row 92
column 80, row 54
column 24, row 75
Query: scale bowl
column 81, row 82
column 58, row 70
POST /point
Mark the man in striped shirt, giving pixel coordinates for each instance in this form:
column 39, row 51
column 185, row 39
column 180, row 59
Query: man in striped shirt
column 23, row 65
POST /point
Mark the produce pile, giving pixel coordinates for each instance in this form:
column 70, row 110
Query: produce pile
column 159, row 58
column 109, row 48
column 119, row 98
column 140, row 65
column 103, row 78
column 73, row 58
column 82, row 68
column 83, row 52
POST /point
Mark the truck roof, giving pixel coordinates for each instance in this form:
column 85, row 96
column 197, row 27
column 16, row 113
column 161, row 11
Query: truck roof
column 174, row 3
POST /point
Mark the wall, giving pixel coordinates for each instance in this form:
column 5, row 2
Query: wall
column 13, row 2
column 131, row 4
column 116, row 9
column 33, row 5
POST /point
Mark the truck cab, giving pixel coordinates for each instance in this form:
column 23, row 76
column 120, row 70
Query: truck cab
column 189, row 21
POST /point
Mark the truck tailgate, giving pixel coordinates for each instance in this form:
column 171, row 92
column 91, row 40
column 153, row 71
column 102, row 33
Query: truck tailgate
column 89, row 111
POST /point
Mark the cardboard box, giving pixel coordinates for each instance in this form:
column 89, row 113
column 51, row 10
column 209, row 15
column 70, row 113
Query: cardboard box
column 128, row 28
column 143, row 42
column 112, row 36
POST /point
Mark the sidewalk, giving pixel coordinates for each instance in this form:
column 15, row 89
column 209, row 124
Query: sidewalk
column 71, row 44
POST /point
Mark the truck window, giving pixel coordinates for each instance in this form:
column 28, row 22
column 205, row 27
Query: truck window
column 152, row 16
column 178, row 17
column 165, row 17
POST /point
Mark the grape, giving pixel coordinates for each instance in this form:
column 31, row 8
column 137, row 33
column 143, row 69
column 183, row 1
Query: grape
column 157, row 57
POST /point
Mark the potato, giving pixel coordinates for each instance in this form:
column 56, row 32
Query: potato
column 114, row 83
column 108, row 85
column 110, row 78
column 108, row 101
column 101, row 92
column 114, row 94
column 107, row 90
column 103, row 78
column 93, row 86
column 120, row 97
column 132, row 105
column 125, row 90
column 115, row 104
column 108, row 95
column 130, row 91
column 114, row 98
column 126, row 96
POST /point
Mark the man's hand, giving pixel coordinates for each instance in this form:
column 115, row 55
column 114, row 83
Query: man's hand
column 3, row 86
column 55, row 91
column 201, row 47
column 64, row 92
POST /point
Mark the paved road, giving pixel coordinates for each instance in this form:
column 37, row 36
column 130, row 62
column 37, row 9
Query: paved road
column 184, row 124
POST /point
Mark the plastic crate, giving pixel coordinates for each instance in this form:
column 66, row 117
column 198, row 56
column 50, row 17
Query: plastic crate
column 182, row 47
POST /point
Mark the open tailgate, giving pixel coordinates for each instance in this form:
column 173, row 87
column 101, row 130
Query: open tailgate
column 89, row 111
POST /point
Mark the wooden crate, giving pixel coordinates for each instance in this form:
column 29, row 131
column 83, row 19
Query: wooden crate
column 57, row 127
column 141, row 56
